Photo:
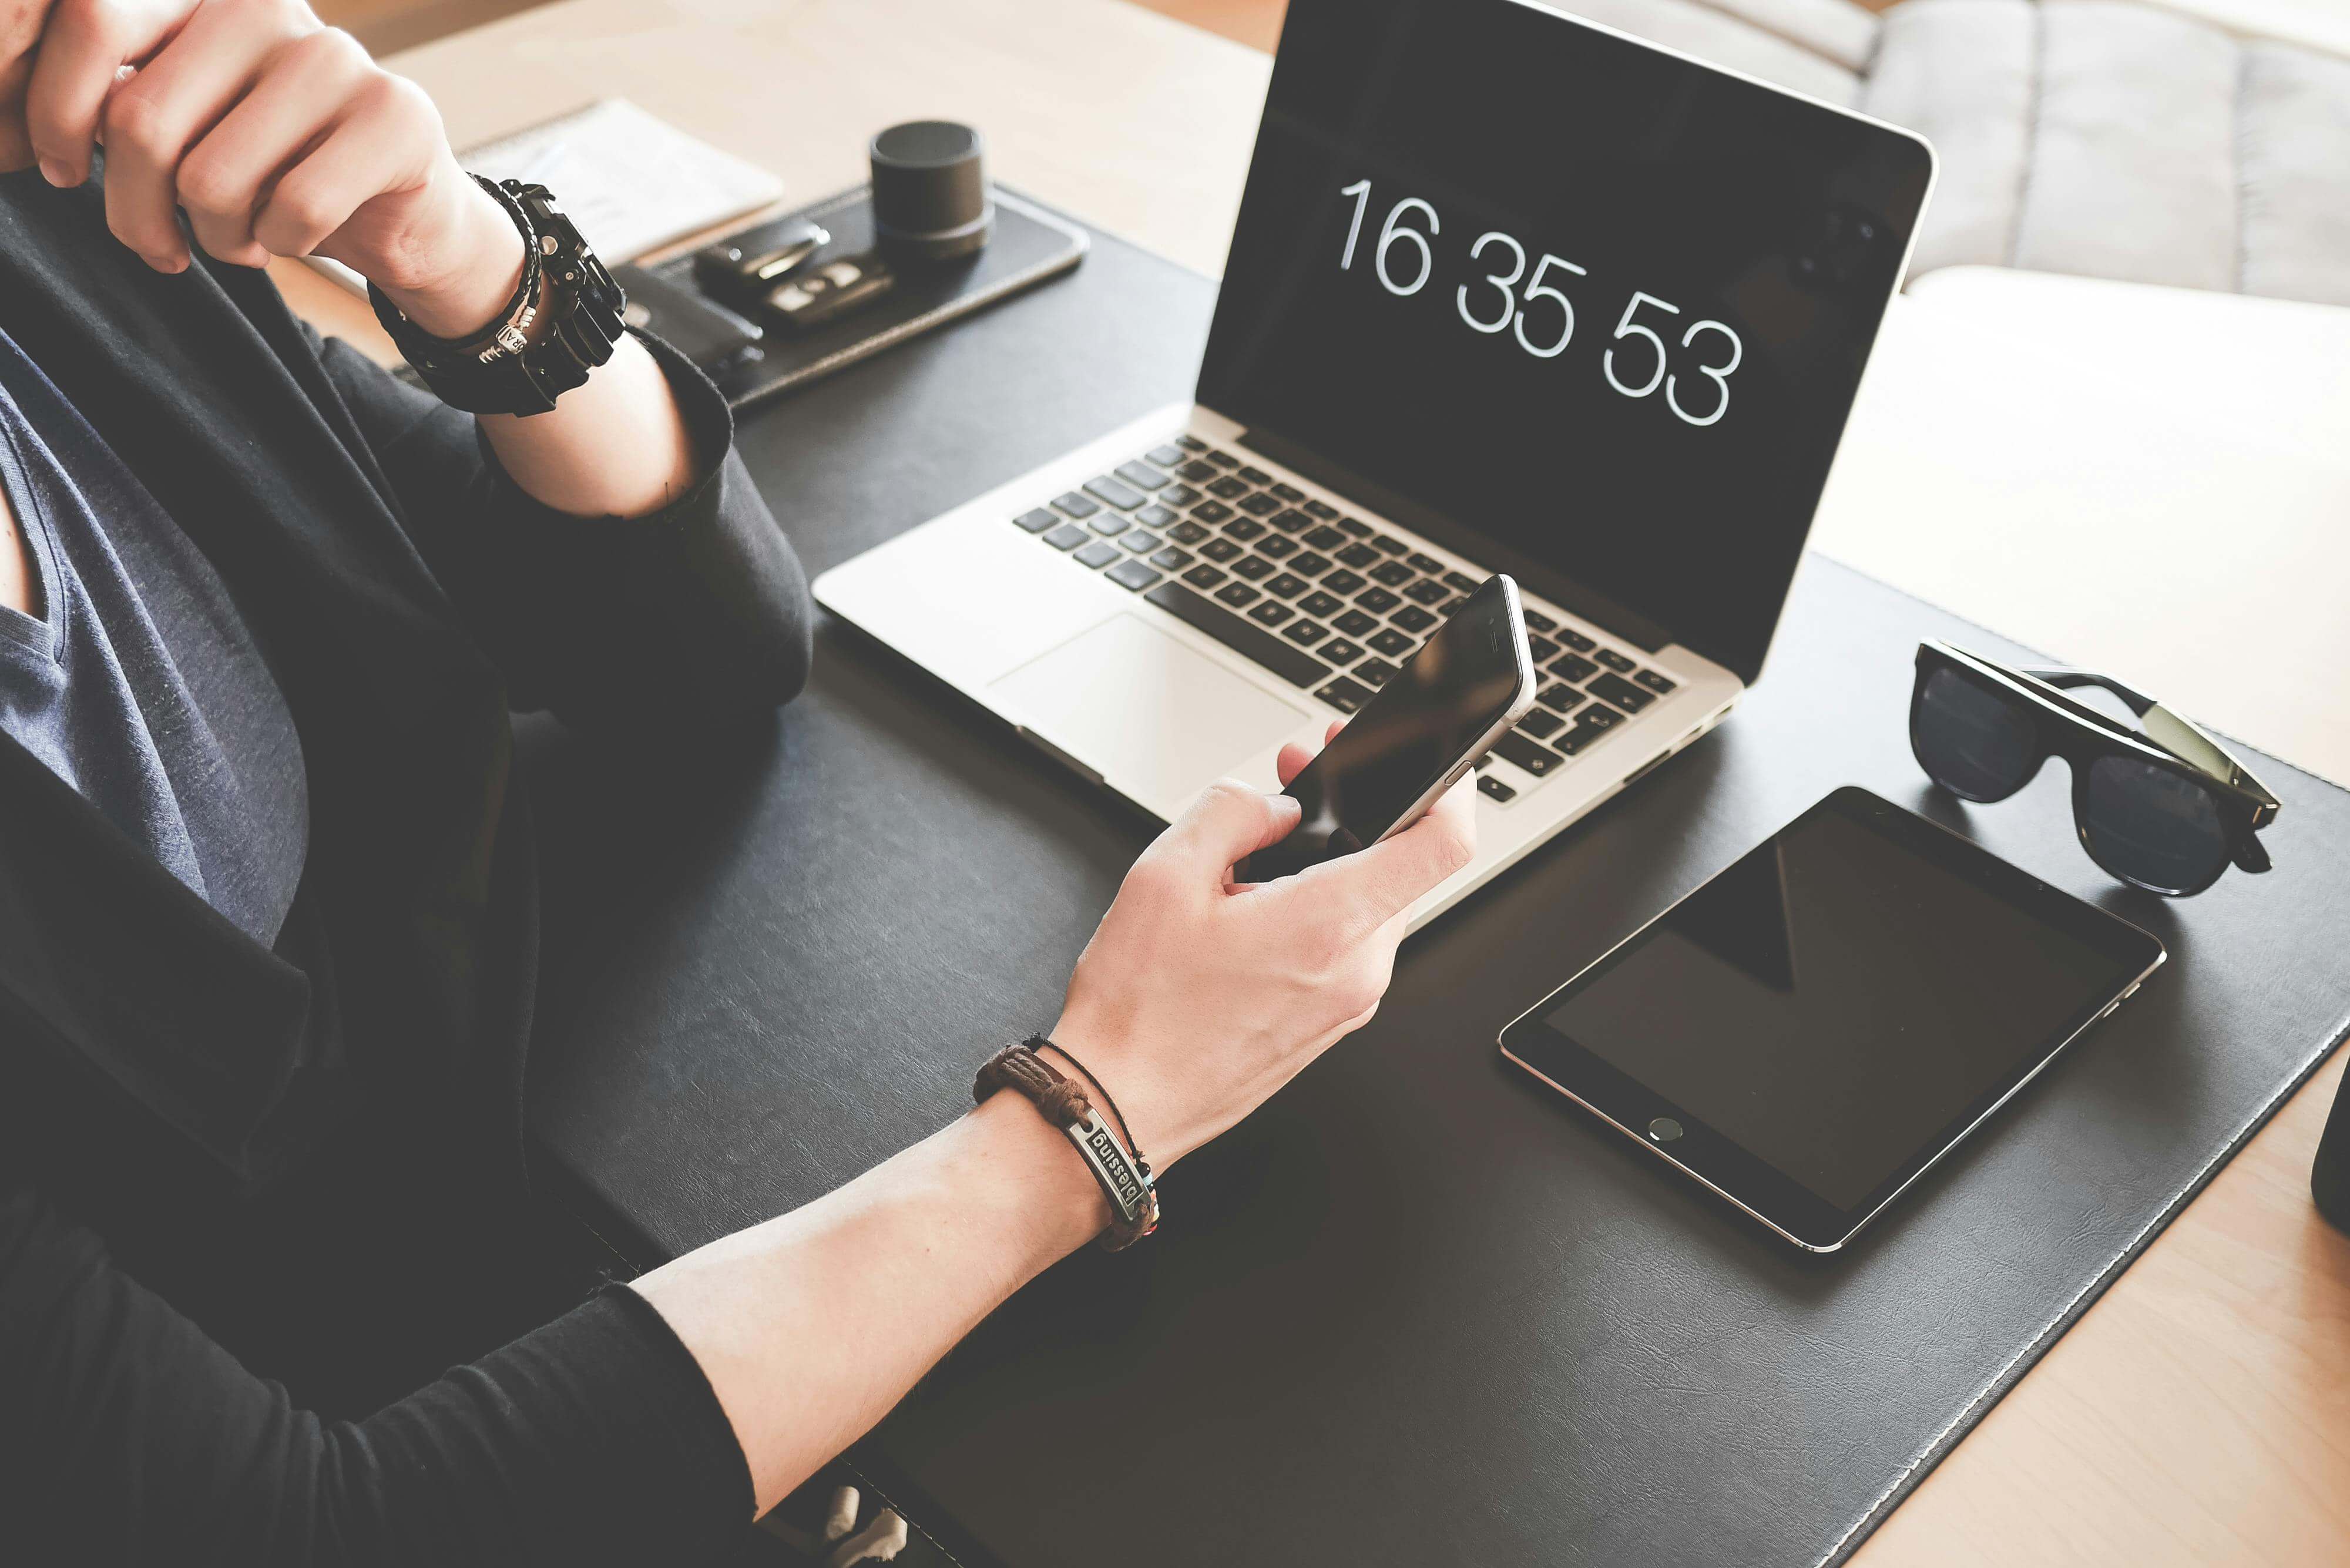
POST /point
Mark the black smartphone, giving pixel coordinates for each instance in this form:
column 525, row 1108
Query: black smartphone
column 1471, row 680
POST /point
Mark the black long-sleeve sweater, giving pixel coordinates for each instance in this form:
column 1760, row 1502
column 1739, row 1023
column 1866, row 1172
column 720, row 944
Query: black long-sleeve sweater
column 225, row 1170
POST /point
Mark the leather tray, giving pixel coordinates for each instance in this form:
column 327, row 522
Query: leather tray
column 1418, row 1310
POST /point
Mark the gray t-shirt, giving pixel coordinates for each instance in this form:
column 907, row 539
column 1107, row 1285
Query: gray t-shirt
column 138, row 683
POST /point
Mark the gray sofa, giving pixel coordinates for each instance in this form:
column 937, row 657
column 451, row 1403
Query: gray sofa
column 2083, row 136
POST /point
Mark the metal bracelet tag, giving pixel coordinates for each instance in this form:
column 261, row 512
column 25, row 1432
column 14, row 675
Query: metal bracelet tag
column 1129, row 1194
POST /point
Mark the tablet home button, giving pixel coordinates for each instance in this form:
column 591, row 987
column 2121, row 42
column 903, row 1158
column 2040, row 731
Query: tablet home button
column 1664, row 1129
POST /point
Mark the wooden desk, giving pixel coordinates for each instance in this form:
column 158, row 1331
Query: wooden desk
column 2200, row 1412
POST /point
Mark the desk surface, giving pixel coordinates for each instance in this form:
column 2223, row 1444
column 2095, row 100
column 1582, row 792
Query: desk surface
column 2201, row 1409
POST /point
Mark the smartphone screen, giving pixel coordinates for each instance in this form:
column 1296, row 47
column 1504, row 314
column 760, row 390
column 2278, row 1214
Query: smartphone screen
column 1472, row 676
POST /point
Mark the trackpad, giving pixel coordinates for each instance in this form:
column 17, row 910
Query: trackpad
column 1157, row 719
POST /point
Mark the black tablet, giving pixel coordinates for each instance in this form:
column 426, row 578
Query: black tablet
column 1809, row 1031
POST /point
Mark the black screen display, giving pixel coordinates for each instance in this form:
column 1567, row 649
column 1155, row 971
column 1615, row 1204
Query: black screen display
column 1835, row 999
column 1586, row 312
column 1427, row 717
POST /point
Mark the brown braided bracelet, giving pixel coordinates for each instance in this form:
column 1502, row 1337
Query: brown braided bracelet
column 1125, row 1179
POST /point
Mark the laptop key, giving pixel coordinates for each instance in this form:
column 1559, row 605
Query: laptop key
column 1155, row 516
column 1256, row 475
column 1309, row 564
column 1356, row 527
column 1211, row 512
column 1378, row 601
column 1068, row 536
column 1289, row 493
column 1228, row 487
column 1623, row 693
column 1036, row 522
column 1134, row 575
column 1599, row 716
column 1307, row 631
column 1276, row 546
column 1374, row 671
column 1293, row 664
column 1077, row 504
column 1255, row 568
column 1428, row 564
column 1273, row 612
column 1325, row 538
column 1221, row 459
column 1187, row 533
column 1203, row 576
column 1141, row 541
column 1292, row 520
column 1100, row 552
column 1261, row 505
column 1462, row 583
column 1537, row 622
column 1359, row 556
column 1141, row 475
column 1411, row 617
column 1243, row 529
column 1337, row 651
column 1393, row 643
column 1563, row 698
column 1345, row 695
column 1341, row 582
column 1355, row 623
column 1615, row 661
column 1111, row 490
column 1166, row 456
column 1178, row 495
column 1323, row 510
column 1495, row 790
column 1574, row 667
column 1536, row 760
column 1221, row 550
column 1541, row 722
column 1172, row 559
column 1394, row 574
column 1389, row 546
column 1428, row 591
column 1318, row 603
column 1190, row 443
column 1659, row 684
column 1238, row 594
column 1286, row 586
column 1576, row 640
column 1111, row 522
column 1544, row 648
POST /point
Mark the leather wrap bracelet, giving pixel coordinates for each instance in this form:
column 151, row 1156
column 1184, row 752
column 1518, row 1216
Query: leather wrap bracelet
column 1123, row 1176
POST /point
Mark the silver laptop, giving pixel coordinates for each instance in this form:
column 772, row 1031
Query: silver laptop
column 1509, row 291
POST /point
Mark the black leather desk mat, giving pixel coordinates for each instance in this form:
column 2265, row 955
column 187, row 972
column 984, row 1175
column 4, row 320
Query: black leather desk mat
column 1420, row 1310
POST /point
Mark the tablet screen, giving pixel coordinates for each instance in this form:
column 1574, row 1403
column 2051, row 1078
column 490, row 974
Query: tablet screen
column 1844, row 1001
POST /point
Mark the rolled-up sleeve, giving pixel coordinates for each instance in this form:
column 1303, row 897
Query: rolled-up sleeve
column 695, row 613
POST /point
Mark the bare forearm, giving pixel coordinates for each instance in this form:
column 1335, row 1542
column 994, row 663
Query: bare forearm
column 617, row 446
column 811, row 1325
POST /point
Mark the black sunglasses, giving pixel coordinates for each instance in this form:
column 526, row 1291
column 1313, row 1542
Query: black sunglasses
column 2163, row 807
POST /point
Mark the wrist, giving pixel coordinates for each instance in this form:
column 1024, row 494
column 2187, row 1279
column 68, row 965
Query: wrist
column 474, row 272
column 1007, row 1149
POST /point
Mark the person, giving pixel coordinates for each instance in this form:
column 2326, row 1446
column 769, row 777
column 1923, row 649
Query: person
column 267, row 898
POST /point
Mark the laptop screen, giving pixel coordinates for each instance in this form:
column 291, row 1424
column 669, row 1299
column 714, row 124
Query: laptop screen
column 1580, row 310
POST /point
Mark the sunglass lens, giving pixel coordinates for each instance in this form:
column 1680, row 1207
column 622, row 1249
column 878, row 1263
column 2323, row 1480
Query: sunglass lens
column 2153, row 825
column 1970, row 738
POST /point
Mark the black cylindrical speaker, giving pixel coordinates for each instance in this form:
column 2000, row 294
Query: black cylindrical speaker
column 2329, row 1181
column 931, row 201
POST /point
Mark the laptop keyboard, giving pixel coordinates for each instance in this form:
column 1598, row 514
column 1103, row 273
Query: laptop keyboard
column 1324, row 600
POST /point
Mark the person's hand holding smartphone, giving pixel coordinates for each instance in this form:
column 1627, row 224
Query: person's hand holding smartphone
column 1470, row 681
